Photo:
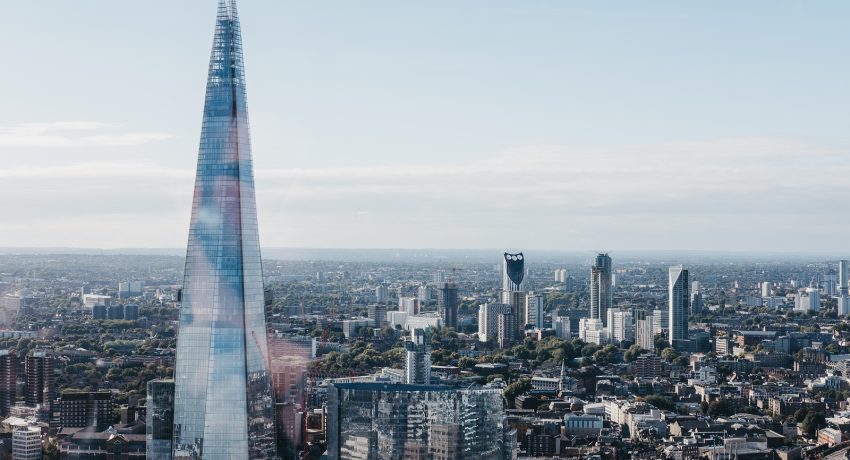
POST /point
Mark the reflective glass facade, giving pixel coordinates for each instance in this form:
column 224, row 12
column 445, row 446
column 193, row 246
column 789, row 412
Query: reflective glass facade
column 371, row 421
column 223, row 405
column 159, row 421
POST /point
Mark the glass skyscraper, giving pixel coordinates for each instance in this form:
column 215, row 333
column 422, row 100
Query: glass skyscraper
column 601, row 293
column 223, row 405
column 679, row 303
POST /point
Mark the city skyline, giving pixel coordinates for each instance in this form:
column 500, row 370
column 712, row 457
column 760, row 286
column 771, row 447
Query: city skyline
column 400, row 134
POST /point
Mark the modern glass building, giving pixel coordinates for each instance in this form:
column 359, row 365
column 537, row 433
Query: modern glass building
column 372, row 421
column 679, row 303
column 223, row 406
column 447, row 303
column 601, row 292
column 159, row 419
column 513, row 272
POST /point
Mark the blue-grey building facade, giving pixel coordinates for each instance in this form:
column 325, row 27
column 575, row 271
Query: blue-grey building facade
column 383, row 421
column 223, row 405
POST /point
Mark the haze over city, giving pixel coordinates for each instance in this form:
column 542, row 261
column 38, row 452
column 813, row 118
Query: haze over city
column 502, row 230
column 475, row 125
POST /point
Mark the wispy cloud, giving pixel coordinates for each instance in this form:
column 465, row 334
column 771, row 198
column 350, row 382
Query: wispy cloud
column 119, row 170
column 73, row 134
column 685, row 194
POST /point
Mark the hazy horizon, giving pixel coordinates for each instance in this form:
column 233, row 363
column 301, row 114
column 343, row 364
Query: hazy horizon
column 436, row 255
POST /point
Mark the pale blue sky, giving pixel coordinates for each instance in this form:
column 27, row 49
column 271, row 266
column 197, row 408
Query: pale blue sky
column 539, row 124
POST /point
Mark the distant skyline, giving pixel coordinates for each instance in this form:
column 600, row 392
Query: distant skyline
column 516, row 125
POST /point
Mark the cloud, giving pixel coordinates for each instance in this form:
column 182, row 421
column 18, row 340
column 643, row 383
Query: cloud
column 72, row 134
column 118, row 170
column 724, row 194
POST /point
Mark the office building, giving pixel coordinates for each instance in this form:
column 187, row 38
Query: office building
column 377, row 314
column 425, row 293
column 830, row 285
column 26, row 442
column 591, row 330
column 439, row 277
column 90, row 300
column 534, row 310
column 679, row 300
column 410, row 305
column 842, row 277
column 808, row 299
column 448, row 302
column 130, row 289
column 290, row 364
column 87, row 444
column 601, row 291
column 159, row 419
column 561, row 275
column 513, row 272
column 488, row 320
column 86, row 409
column 399, row 421
column 516, row 302
column 8, row 381
column 40, row 380
column 99, row 312
column 621, row 326
column 648, row 366
column 424, row 321
column 561, row 324
column 115, row 311
column 382, row 295
column 645, row 331
column 397, row 318
column 223, row 403
column 417, row 363
column 131, row 312
column 351, row 327
column 697, row 303
column 766, row 289
column 661, row 320
column 506, row 329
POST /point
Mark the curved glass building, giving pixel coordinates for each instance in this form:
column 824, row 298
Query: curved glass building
column 223, row 406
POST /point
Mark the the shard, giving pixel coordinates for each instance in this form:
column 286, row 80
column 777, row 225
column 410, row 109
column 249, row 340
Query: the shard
column 223, row 406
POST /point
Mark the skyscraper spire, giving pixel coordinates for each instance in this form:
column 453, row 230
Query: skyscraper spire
column 223, row 404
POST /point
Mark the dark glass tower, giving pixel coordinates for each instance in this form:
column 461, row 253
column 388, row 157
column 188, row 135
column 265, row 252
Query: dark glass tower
column 223, row 406
column 601, row 292
column 447, row 301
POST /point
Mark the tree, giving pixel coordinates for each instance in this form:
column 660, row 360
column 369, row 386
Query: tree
column 681, row 361
column 466, row 363
column 669, row 355
column 608, row 355
column 812, row 422
column 660, row 342
column 719, row 408
column 588, row 350
column 51, row 450
column 661, row 402
column 517, row 388
column 632, row 353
